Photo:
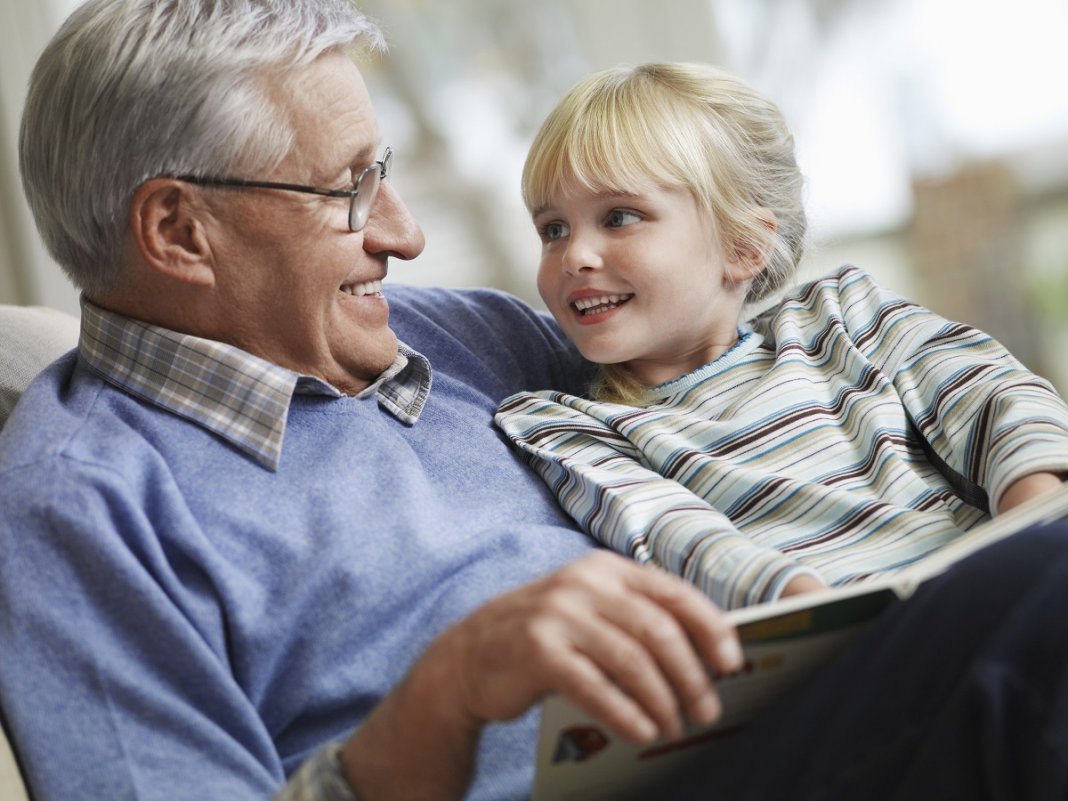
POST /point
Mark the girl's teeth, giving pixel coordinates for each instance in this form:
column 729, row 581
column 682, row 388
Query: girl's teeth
column 603, row 303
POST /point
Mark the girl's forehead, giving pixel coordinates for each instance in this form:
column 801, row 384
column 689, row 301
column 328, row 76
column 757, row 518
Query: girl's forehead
column 600, row 182
column 586, row 189
column 605, row 175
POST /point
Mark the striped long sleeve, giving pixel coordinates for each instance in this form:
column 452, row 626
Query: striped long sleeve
column 602, row 480
column 848, row 432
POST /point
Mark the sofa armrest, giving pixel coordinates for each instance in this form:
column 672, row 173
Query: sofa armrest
column 30, row 338
column 12, row 787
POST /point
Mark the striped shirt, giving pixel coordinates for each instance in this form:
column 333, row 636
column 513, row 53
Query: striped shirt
column 242, row 398
column 848, row 432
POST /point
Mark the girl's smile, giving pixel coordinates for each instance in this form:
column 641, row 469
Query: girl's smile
column 639, row 279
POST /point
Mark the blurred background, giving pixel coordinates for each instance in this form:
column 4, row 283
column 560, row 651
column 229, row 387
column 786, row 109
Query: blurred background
column 933, row 135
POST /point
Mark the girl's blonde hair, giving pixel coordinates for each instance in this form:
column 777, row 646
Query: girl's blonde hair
column 683, row 125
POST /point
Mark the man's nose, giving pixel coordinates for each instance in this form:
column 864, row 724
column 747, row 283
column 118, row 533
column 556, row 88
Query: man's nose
column 391, row 229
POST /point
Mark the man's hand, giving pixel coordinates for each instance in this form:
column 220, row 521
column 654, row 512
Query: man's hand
column 630, row 645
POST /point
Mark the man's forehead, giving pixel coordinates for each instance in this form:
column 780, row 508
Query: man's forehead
column 332, row 115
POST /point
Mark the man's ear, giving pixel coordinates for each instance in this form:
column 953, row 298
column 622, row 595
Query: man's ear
column 168, row 231
column 749, row 259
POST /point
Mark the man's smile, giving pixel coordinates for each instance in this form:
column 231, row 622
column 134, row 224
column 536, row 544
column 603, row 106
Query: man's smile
column 363, row 288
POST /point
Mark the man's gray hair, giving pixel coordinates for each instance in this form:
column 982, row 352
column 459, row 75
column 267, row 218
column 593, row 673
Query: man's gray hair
column 131, row 89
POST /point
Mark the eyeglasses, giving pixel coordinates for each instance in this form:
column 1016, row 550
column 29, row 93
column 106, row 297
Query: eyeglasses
column 361, row 196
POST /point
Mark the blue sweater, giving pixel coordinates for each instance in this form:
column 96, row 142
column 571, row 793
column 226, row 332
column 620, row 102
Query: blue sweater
column 179, row 622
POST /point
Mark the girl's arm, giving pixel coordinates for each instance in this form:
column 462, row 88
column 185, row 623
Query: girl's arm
column 600, row 479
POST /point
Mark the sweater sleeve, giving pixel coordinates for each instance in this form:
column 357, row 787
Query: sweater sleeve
column 601, row 480
column 491, row 340
column 111, row 687
column 984, row 419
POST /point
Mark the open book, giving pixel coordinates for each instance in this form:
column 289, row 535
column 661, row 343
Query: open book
column 783, row 642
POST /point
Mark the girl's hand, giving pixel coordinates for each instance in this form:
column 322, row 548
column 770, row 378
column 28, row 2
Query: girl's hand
column 1027, row 488
column 802, row 584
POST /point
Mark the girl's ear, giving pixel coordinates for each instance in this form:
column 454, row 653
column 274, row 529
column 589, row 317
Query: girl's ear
column 750, row 258
column 168, row 231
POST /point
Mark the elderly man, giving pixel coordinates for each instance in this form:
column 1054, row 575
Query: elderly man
column 236, row 517
column 247, row 543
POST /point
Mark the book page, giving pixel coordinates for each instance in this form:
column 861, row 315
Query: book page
column 578, row 758
column 783, row 641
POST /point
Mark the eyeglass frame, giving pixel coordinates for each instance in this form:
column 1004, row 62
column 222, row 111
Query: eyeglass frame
column 382, row 167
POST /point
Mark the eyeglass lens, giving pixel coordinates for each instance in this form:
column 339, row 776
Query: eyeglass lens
column 367, row 189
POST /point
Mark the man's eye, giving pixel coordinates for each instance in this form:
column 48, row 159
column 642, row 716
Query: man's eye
column 550, row 232
column 617, row 218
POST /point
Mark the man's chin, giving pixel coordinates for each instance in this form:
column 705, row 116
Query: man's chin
column 370, row 355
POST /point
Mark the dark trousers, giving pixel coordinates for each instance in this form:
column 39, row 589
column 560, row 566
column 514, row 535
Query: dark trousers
column 960, row 692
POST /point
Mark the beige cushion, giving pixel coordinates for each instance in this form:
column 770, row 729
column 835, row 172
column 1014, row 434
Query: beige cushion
column 11, row 786
column 30, row 338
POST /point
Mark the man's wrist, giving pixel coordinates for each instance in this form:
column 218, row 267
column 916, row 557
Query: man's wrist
column 415, row 744
column 321, row 778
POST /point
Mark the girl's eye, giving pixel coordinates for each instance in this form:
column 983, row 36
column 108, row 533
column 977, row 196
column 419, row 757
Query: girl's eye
column 617, row 218
column 552, row 231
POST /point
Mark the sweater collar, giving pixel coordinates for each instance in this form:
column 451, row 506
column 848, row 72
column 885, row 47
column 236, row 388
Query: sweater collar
column 239, row 396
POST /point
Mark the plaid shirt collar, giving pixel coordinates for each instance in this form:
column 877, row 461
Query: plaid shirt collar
column 240, row 397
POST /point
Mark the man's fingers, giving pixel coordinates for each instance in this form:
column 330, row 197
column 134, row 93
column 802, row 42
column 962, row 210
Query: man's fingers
column 638, row 671
column 589, row 689
column 684, row 668
column 671, row 632
column 588, row 655
column 660, row 636
column 628, row 644
column 706, row 625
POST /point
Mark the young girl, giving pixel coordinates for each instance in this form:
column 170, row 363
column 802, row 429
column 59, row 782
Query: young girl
column 843, row 432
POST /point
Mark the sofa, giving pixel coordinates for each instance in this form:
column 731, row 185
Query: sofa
column 30, row 338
